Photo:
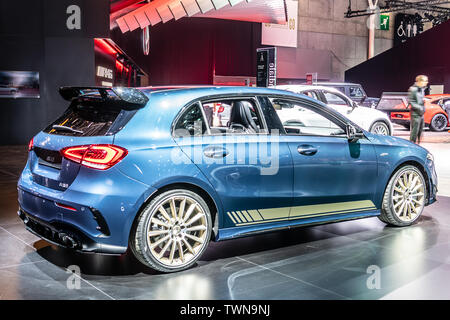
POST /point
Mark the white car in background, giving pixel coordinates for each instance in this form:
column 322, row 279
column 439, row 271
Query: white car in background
column 369, row 119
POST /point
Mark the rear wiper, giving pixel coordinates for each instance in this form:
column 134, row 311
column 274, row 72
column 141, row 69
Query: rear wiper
column 65, row 128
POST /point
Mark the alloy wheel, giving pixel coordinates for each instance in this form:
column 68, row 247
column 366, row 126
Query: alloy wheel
column 177, row 231
column 439, row 122
column 380, row 128
column 408, row 196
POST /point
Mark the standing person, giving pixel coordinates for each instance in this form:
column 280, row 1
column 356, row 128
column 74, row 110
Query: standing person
column 416, row 101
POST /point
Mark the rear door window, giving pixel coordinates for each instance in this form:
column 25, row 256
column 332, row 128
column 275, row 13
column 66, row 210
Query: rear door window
column 191, row 122
column 240, row 116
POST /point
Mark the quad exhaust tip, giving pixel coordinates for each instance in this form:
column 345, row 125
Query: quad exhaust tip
column 69, row 241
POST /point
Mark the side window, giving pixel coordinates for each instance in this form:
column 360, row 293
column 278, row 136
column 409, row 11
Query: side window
column 341, row 89
column 233, row 116
column 334, row 99
column 191, row 123
column 355, row 92
column 301, row 119
column 311, row 94
column 387, row 104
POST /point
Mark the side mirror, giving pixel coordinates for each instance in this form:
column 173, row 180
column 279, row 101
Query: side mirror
column 354, row 105
column 353, row 134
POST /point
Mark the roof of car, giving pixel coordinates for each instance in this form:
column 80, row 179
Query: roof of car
column 172, row 98
column 324, row 83
column 306, row 87
column 167, row 101
column 437, row 95
column 196, row 91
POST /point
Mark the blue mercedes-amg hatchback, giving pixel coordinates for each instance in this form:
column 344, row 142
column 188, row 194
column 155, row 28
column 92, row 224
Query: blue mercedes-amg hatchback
column 165, row 170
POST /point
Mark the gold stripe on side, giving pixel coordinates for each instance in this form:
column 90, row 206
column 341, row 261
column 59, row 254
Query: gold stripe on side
column 300, row 212
column 306, row 216
column 330, row 207
column 241, row 216
column 263, row 221
column 274, row 213
column 331, row 213
column 231, row 217
column 236, row 217
column 247, row 216
column 255, row 215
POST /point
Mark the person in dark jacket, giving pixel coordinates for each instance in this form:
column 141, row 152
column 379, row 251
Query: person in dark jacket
column 416, row 101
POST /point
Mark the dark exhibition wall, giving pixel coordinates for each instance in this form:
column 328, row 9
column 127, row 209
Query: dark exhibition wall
column 395, row 69
column 190, row 50
column 39, row 39
column 41, row 36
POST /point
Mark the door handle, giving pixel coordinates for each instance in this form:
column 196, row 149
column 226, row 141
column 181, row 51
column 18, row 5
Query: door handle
column 307, row 150
column 215, row 152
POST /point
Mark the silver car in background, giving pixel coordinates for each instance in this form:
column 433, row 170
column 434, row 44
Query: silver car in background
column 369, row 119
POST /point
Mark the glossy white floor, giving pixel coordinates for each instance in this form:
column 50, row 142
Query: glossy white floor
column 438, row 143
column 335, row 261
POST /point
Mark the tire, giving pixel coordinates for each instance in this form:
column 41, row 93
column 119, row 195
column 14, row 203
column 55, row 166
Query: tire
column 165, row 255
column 398, row 207
column 406, row 126
column 438, row 122
column 381, row 128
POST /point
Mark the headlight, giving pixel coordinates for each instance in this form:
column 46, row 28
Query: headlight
column 430, row 157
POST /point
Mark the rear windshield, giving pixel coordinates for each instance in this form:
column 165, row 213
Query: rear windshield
column 387, row 104
column 90, row 119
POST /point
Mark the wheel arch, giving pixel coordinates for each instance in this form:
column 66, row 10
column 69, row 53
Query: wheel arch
column 435, row 114
column 416, row 164
column 385, row 121
column 213, row 206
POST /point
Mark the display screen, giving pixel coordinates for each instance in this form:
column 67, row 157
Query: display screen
column 19, row 84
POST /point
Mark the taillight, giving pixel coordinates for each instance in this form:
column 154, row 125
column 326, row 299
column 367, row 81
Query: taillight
column 97, row 156
column 31, row 144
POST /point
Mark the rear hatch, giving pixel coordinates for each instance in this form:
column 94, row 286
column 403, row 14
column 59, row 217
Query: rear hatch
column 94, row 116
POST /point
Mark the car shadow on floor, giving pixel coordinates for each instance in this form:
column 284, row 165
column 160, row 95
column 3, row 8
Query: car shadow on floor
column 127, row 264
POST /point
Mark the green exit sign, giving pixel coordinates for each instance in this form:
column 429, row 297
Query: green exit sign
column 384, row 22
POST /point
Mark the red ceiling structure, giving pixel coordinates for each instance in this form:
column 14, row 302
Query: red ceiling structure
column 130, row 15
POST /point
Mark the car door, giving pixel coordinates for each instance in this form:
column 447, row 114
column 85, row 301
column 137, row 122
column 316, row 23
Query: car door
column 332, row 175
column 250, row 171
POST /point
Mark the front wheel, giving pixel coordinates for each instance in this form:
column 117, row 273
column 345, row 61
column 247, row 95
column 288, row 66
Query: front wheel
column 438, row 122
column 380, row 128
column 172, row 231
column 404, row 197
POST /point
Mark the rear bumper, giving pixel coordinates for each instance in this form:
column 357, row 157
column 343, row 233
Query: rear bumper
column 401, row 122
column 65, row 235
column 95, row 214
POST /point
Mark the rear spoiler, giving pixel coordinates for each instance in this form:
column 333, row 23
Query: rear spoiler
column 124, row 98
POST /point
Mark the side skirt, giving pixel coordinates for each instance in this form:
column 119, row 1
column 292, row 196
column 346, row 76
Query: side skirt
column 243, row 231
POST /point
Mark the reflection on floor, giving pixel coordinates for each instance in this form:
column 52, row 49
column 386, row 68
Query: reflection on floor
column 336, row 261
